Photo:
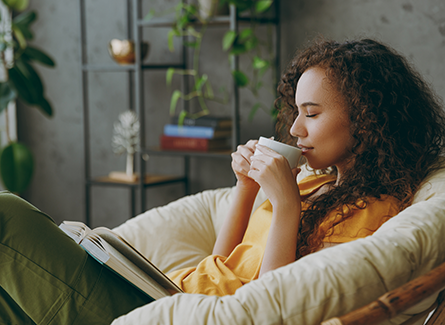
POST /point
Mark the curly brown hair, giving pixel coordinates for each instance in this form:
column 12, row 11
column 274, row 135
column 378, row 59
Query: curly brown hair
column 394, row 116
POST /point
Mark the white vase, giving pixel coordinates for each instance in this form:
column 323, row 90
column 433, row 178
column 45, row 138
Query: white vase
column 207, row 8
column 130, row 164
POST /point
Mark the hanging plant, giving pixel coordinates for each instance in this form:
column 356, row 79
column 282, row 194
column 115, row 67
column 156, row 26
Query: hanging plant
column 260, row 53
column 191, row 23
column 21, row 82
column 187, row 19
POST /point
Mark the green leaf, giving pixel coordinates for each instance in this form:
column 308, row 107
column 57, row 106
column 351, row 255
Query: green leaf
column 25, row 80
column 259, row 63
column 238, row 49
column 241, row 79
column 45, row 106
column 171, row 35
column 241, row 5
column 23, row 22
column 40, row 56
column 228, row 39
column 22, row 85
column 262, row 5
column 150, row 15
column 181, row 117
column 175, row 97
column 26, row 32
column 253, row 111
column 25, row 18
column 251, row 43
column 19, row 36
column 169, row 76
column 34, row 79
column 18, row 5
column 200, row 82
column 6, row 95
column 245, row 34
column 16, row 167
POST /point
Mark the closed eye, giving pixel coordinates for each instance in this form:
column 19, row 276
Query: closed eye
column 311, row 115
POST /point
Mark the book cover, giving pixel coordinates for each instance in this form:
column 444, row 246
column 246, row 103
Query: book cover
column 193, row 144
column 221, row 122
column 204, row 132
column 114, row 252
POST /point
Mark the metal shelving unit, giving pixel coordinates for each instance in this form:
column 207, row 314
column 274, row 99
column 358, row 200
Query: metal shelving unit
column 135, row 26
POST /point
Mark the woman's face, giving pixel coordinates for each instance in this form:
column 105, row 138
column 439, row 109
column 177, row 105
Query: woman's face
column 322, row 125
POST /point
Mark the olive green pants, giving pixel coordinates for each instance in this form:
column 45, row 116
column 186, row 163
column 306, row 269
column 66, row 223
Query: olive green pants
column 46, row 278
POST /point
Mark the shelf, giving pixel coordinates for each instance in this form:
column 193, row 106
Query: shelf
column 136, row 99
column 130, row 67
column 215, row 21
column 169, row 22
column 150, row 180
column 226, row 154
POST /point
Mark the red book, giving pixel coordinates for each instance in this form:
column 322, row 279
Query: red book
column 193, row 144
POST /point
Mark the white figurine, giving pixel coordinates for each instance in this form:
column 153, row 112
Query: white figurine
column 126, row 139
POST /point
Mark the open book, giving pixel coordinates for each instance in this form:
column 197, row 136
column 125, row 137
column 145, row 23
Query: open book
column 113, row 251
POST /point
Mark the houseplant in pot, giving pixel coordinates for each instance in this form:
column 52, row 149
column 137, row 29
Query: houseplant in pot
column 20, row 82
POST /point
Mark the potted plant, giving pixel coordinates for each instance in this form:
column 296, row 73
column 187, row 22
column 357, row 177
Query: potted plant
column 21, row 81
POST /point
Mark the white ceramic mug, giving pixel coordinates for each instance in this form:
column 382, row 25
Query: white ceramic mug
column 291, row 153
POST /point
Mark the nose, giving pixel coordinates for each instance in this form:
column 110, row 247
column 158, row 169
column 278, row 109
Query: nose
column 297, row 129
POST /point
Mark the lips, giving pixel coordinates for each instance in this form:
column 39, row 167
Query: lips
column 304, row 149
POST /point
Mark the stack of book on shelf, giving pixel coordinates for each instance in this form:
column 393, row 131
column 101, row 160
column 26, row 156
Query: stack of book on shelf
column 206, row 133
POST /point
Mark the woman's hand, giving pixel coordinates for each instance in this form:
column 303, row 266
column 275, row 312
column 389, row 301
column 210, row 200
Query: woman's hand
column 237, row 219
column 241, row 161
column 271, row 170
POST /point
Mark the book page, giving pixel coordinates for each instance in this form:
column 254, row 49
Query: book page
column 76, row 230
column 136, row 257
column 125, row 268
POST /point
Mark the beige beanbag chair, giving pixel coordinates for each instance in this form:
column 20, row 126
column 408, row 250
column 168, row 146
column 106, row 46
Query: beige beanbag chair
column 322, row 285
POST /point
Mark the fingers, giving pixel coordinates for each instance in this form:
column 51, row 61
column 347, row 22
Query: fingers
column 240, row 164
column 268, row 156
column 241, row 158
column 268, row 162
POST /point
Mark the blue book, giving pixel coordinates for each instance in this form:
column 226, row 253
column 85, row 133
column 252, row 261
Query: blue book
column 203, row 132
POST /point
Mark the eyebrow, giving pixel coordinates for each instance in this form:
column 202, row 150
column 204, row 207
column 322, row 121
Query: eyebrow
column 309, row 104
column 305, row 104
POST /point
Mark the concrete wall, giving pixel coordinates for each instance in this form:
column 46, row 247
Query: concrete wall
column 415, row 28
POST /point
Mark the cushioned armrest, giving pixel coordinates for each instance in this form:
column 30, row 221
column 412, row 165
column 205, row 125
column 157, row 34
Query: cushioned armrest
column 179, row 234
